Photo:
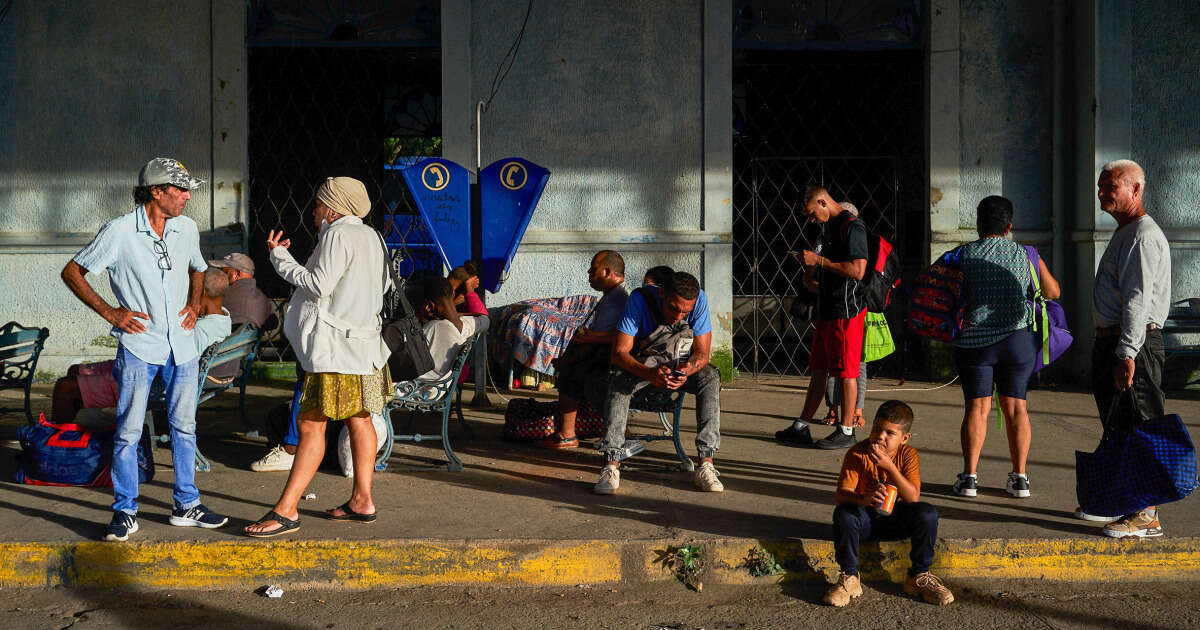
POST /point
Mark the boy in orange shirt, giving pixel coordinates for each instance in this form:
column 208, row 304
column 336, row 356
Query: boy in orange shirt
column 884, row 458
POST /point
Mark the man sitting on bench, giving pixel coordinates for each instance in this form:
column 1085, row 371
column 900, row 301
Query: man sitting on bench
column 583, row 369
column 663, row 340
column 92, row 385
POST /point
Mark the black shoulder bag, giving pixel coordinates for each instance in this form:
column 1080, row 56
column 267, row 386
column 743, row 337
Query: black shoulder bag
column 402, row 332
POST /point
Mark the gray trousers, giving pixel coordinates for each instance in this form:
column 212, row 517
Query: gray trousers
column 705, row 385
column 833, row 389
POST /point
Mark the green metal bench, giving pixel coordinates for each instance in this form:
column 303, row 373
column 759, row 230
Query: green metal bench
column 242, row 346
column 20, row 348
column 662, row 402
column 429, row 397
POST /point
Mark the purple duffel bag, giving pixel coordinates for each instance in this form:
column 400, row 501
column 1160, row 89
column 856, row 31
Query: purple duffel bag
column 1049, row 319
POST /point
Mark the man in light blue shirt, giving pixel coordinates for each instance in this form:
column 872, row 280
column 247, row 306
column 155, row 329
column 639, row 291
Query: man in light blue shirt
column 155, row 270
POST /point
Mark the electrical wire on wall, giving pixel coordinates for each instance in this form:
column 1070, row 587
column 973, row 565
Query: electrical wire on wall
column 509, row 58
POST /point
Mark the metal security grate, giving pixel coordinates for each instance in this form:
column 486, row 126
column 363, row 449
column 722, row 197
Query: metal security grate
column 848, row 121
column 337, row 89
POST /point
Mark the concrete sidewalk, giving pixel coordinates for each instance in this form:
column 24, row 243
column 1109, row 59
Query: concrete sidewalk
column 522, row 515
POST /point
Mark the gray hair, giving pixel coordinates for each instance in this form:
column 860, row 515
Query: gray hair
column 215, row 282
column 1129, row 170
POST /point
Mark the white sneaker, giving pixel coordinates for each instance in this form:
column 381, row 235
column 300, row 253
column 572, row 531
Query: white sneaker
column 1017, row 485
column 706, row 478
column 275, row 460
column 1084, row 516
column 610, row 480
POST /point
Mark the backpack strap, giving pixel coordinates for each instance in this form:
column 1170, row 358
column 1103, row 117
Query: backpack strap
column 1039, row 300
column 397, row 283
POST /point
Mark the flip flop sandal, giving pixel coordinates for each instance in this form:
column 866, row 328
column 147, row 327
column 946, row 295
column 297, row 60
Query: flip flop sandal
column 288, row 525
column 557, row 441
column 350, row 515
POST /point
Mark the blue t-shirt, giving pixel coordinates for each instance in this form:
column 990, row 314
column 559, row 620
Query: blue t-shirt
column 638, row 321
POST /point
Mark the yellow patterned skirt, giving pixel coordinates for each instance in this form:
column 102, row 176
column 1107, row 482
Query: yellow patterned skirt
column 340, row 396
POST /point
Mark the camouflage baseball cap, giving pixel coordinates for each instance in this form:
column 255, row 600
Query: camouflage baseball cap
column 167, row 171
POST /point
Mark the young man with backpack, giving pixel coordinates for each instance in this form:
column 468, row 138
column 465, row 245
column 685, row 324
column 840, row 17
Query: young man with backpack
column 663, row 340
column 841, row 310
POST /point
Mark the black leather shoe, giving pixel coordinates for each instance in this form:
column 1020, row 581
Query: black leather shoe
column 791, row 435
column 837, row 440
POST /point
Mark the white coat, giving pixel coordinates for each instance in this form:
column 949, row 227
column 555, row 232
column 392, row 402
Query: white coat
column 333, row 320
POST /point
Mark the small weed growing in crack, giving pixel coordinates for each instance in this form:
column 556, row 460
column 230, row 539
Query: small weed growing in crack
column 687, row 563
column 761, row 562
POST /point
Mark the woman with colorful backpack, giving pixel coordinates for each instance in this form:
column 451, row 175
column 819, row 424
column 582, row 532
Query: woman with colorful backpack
column 996, row 350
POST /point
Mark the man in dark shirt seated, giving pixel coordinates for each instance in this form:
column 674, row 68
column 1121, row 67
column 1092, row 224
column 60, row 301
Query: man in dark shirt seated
column 582, row 371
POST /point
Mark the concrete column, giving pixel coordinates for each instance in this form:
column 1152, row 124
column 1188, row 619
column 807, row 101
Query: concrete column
column 458, row 101
column 230, row 120
column 944, row 127
column 717, row 174
column 1100, row 131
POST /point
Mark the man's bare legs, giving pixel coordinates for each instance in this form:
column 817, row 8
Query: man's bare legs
column 849, row 400
column 816, row 392
column 568, row 410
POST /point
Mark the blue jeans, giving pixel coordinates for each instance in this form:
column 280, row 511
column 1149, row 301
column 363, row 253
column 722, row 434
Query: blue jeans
column 291, row 437
column 134, row 377
column 705, row 385
column 853, row 524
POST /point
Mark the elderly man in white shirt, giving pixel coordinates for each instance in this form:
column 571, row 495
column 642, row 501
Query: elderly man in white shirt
column 334, row 327
column 1130, row 302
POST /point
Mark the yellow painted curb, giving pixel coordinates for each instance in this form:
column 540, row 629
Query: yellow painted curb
column 393, row 563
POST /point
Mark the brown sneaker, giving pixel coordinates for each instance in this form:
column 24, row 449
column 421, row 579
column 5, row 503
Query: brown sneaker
column 847, row 588
column 929, row 587
column 1142, row 524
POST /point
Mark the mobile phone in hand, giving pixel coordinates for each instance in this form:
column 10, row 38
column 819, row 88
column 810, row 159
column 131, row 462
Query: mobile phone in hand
column 678, row 373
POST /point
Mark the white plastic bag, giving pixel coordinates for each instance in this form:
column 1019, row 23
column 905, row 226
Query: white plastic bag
column 344, row 456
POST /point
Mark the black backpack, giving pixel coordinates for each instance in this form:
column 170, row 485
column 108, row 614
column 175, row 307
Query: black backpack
column 402, row 331
column 883, row 272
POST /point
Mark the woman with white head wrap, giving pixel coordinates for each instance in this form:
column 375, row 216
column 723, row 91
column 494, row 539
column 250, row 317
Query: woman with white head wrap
column 334, row 327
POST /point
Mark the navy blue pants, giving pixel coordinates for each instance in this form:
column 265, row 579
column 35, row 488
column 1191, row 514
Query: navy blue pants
column 853, row 524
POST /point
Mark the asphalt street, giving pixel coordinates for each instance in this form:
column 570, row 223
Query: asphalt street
column 662, row 606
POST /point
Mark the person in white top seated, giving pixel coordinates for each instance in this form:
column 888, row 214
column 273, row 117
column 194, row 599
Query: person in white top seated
column 214, row 324
column 334, row 326
column 445, row 328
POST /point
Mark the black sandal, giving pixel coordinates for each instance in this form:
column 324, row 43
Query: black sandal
column 350, row 515
column 288, row 524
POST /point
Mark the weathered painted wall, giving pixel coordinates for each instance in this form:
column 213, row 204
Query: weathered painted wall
column 89, row 92
column 1165, row 129
column 609, row 97
column 1007, row 70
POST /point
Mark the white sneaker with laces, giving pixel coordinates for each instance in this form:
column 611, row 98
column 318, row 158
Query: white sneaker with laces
column 1017, row 485
column 610, row 480
column 275, row 460
column 706, row 478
